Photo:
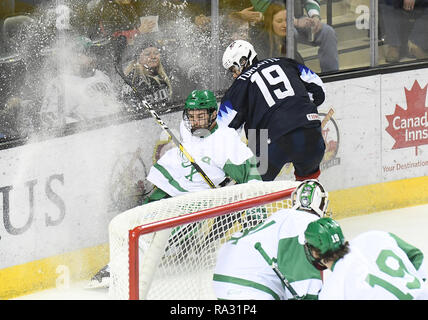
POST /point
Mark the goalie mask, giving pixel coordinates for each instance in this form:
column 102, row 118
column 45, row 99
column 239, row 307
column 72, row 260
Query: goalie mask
column 200, row 112
column 239, row 55
column 310, row 196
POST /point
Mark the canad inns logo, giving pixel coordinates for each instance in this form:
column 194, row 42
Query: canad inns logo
column 409, row 128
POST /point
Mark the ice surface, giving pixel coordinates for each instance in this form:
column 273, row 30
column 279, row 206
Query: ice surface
column 408, row 223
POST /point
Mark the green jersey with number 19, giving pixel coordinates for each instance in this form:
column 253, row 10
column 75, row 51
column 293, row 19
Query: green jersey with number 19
column 379, row 266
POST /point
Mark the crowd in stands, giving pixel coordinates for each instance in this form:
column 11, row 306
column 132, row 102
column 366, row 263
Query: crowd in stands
column 58, row 61
column 405, row 25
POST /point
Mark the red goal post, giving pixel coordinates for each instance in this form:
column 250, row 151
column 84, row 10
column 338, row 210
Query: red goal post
column 170, row 245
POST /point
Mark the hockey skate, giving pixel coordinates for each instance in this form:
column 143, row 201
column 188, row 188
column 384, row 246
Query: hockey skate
column 101, row 279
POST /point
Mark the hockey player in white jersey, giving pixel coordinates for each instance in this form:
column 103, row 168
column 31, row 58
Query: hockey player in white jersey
column 218, row 150
column 375, row 265
column 244, row 263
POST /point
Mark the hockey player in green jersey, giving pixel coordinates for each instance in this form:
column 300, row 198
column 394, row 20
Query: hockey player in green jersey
column 244, row 263
column 218, row 150
column 375, row 265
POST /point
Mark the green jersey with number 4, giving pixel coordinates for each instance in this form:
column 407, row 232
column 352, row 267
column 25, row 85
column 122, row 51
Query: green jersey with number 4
column 379, row 266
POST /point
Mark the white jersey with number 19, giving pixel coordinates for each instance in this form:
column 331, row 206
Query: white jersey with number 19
column 242, row 272
column 379, row 266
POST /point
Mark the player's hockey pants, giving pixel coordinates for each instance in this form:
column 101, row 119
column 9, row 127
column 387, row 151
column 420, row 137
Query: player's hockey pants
column 303, row 147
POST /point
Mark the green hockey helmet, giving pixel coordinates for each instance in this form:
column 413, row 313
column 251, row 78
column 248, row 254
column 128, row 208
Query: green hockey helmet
column 200, row 99
column 325, row 235
column 200, row 124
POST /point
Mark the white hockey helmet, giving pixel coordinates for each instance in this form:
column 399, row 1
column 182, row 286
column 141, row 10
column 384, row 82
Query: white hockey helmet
column 239, row 53
column 310, row 195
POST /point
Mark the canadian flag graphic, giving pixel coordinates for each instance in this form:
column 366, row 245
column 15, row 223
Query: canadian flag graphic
column 409, row 128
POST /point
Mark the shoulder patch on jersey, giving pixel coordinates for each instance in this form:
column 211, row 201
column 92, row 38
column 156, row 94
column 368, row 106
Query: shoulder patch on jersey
column 308, row 75
column 313, row 116
column 225, row 113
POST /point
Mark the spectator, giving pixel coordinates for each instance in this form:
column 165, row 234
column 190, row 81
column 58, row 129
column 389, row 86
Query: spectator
column 271, row 41
column 169, row 22
column 252, row 14
column 168, row 15
column 405, row 25
column 79, row 92
column 308, row 30
column 118, row 17
column 246, row 10
column 148, row 77
column 133, row 17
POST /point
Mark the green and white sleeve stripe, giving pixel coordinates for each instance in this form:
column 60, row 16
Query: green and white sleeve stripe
column 165, row 181
column 415, row 255
column 242, row 173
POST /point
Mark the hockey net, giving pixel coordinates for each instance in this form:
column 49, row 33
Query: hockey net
column 166, row 250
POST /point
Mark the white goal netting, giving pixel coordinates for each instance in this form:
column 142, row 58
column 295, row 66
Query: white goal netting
column 176, row 262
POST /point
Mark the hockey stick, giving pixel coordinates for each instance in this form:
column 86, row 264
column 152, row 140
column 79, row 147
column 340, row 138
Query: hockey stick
column 120, row 44
column 274, row 266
